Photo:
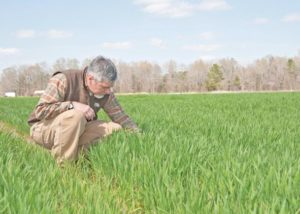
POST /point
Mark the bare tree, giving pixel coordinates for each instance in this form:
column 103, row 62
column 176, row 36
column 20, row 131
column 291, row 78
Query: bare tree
column 170, row 77
column 267, row 73
column 229, row 68
column 9, row 77
column 64, row 64
column 125, row 81
column 197, row 75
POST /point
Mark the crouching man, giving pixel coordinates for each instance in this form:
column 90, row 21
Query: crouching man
column 65, row 118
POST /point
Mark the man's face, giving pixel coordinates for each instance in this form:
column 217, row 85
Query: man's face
column 99, row 88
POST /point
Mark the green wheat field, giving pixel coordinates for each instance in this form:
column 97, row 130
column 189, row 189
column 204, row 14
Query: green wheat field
column 201, row 153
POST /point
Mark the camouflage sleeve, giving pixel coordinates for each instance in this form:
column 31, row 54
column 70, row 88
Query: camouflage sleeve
column 52, row 102
column 117, row 115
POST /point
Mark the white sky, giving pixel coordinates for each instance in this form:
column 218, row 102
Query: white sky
column 156, row 30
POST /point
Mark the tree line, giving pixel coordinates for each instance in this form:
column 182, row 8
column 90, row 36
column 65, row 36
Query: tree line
column 268, row 73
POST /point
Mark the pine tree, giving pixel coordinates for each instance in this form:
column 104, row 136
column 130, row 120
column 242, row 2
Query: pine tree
column 214, row 78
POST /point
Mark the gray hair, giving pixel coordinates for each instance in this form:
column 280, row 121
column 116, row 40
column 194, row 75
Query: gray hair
column 102, row 69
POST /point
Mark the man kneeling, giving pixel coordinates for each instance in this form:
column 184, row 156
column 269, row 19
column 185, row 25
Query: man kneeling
column 65, row 118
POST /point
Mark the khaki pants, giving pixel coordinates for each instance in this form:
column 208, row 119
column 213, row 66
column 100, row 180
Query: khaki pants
column 69, row 133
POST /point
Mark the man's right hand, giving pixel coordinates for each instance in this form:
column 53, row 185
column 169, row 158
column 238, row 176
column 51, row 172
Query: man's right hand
column 85, row 109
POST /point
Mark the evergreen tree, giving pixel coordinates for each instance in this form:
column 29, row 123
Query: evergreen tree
column 214, row 78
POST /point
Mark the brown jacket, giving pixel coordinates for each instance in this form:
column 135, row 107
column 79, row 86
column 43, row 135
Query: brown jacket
column 76, row 91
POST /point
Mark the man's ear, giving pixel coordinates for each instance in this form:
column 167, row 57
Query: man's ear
column 89, row 78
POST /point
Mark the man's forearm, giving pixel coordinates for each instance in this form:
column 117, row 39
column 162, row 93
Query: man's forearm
column 117, row 114
column 128, row 124
column 50, row 110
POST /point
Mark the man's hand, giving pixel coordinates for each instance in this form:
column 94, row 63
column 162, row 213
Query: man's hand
column 135, row 130
column 85, row 109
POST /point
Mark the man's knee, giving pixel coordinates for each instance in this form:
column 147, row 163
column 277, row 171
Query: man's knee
column 96, row 130
column 36, row 133
column 72, row 119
